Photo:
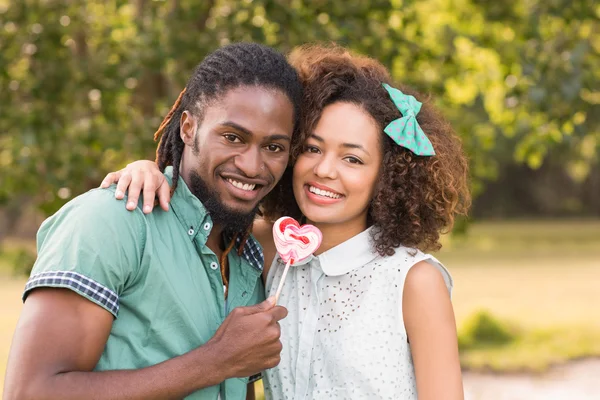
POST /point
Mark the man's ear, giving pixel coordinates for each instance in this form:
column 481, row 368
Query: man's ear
column 187, row 129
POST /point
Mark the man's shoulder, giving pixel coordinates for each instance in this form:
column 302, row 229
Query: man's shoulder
column 96, row 207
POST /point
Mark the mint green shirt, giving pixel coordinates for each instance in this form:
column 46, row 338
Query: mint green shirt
column 153, row 272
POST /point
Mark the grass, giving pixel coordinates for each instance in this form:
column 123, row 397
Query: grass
column 538, row 279
column 10, row 306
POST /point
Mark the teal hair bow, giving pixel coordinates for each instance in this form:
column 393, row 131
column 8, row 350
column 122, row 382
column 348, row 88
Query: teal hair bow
column 405, row 131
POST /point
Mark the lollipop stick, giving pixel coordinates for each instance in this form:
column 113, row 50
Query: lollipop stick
column 285, row 271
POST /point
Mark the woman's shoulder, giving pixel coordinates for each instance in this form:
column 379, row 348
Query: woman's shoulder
column 262, row 228
column 406, row 259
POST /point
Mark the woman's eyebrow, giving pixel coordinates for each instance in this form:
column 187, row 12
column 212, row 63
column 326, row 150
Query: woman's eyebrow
column 347, row 145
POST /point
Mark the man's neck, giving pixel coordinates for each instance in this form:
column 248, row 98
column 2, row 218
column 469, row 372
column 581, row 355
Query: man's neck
column 215, row 240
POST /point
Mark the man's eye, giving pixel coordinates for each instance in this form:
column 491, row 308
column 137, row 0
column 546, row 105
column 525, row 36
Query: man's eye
column 230, row 137
column 275, row 148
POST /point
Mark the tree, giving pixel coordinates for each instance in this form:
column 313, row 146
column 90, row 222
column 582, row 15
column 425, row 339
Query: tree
column 84, row 84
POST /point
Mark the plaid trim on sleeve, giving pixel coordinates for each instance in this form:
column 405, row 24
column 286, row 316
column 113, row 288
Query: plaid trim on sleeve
column 80, row 284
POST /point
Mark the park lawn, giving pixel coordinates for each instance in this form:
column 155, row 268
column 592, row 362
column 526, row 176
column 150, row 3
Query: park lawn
column 10, row 306
column 538, row 278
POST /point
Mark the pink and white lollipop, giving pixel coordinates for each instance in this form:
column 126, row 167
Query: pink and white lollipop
column 294, row 243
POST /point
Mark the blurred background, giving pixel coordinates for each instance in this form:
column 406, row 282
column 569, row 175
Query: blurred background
column 84, row 84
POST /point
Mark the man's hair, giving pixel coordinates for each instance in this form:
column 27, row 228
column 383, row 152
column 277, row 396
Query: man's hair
column 230, row 67
column 417, row 197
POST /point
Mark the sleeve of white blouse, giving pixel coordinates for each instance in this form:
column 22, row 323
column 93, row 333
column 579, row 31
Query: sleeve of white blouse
column 436, row 263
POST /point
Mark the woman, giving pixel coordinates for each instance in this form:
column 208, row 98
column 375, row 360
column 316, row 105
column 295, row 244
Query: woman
column 381, row 176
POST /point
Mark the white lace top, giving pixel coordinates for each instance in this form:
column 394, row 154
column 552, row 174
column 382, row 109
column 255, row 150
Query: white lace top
column 344, row 336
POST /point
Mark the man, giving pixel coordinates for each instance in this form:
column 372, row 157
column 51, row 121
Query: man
column 125, row 305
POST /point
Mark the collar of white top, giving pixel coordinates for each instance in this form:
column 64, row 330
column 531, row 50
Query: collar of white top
column 347, row 256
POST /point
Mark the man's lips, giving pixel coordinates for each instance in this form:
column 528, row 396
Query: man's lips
column 242, row 188
column 244, row 180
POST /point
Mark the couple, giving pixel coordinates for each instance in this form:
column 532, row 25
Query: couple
column 169, row 304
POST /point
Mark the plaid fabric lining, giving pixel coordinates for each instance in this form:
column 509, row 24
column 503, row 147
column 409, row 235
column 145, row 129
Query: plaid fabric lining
column 255, row 378
column 81, row 284
column 252, row 251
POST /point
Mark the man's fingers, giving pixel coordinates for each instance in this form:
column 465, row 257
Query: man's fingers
column 260, row 307
column 122, row 184
column 164, row 194
column 134, row 190
column 279, row 313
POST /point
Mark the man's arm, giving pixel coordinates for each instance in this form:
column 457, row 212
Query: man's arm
column 61, row 335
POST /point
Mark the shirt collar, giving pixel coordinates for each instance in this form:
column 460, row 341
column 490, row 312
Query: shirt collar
column 194, row 218
column 349, row 255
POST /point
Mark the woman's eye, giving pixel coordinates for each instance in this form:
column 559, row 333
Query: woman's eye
column 275, row 148
column 353, row 160
column 311, row 149
column 230, row 137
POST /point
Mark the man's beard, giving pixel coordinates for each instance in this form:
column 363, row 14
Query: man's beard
column 231, row 221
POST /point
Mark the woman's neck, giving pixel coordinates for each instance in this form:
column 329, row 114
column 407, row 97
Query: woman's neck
column 335, row 234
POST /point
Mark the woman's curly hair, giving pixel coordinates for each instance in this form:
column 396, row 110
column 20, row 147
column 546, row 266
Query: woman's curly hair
column 417, row 197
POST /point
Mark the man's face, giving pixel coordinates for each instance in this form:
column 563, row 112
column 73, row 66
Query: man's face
column 239, row 150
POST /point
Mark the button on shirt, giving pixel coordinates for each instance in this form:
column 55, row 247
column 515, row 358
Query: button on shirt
column 344, row 336
column 153, row 272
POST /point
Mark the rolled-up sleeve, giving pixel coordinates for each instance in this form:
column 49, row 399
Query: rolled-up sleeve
column 92, row 246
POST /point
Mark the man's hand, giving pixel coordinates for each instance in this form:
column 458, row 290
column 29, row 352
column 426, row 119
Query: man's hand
column 137, row 176
column 61, row 336
column 248, row 340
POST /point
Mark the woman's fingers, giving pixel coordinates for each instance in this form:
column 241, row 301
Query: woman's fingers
column 139, row 178
column 135, row 188
column 149, row 193
column 110, row 178
column 164, row 193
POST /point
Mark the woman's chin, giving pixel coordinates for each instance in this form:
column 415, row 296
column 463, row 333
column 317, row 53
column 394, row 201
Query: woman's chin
column 319, row 217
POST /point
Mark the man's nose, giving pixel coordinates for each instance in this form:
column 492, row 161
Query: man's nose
column 250, row 162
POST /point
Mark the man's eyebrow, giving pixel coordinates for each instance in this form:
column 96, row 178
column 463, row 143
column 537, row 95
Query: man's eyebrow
column 348, row 145
column 237, row 127
column 247, row 132
column 279, row 137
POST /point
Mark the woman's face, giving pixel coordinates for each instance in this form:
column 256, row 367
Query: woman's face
column 336, row 174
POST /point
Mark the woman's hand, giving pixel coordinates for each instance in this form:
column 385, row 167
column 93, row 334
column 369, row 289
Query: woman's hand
column 141, row 175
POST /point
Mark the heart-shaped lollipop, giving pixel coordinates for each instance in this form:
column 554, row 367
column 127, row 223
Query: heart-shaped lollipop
column 294, row 243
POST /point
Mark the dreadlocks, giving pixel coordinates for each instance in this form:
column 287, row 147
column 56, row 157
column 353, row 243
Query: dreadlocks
column 232, row 66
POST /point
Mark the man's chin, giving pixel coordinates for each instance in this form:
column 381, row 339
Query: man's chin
column 233, row 216
column 239, row 208
column 225, row 210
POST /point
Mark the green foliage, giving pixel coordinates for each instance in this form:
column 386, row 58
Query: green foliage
column 23, row 263
column 17, row 260
column 84, row 84
column 484, row 330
